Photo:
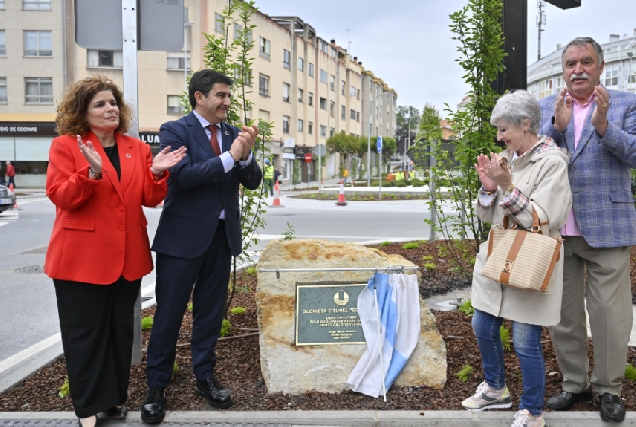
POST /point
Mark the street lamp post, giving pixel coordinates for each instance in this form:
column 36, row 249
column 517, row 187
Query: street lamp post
column 369, row 136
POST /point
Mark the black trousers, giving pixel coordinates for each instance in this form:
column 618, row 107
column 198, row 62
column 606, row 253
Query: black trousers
column 175, row 280
column 96, row 323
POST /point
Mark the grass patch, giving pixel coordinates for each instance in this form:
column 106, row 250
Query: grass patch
column 411, row 245
column 65, row 389
column 429, row 266
column 465, row 373
column 630, row 372
column 175, row 371
column 506, row 339
column 225, row 328
column 237, row 310
column 467, row 308
column 427, row 257
column 147, row 322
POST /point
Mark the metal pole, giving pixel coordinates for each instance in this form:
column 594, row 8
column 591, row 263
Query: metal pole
column 369, row 141
column 320, row 171
column 432, row 190
column 130, row 70
column 408, row 141
column 380, row 173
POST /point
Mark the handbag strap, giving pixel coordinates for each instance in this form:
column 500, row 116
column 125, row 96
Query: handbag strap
column 536, row 224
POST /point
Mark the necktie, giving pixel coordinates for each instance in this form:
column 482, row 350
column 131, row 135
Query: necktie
column 213, row 141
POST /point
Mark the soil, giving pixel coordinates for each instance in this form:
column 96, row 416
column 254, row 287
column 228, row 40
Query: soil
column 238, row 367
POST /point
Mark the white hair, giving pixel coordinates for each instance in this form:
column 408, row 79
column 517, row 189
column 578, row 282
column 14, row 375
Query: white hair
column 515, row 107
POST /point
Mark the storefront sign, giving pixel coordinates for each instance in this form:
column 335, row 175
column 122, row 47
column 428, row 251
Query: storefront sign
column 27, row 129
column 149, row 137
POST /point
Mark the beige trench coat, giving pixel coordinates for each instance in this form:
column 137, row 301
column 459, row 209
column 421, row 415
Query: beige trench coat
column 540, row 174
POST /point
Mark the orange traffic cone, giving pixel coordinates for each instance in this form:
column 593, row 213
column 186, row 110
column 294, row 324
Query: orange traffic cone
column 12, row 189
column 276, row 203
column 341, row 197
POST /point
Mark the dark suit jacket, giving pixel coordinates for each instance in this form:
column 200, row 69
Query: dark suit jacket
column 198, row 189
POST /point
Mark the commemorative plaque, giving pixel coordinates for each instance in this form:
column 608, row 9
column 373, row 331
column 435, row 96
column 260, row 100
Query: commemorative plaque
column 327, row 314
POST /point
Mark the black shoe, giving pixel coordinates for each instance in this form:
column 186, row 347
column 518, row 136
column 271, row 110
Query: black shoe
column 565, row 400
column 217, row 395
column 612, row 408
column 118, row 413
column 153, row 410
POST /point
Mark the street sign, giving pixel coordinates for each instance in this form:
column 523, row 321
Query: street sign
column 379, row 145
column 160, row 26
column 320, row 150
column 308, row 157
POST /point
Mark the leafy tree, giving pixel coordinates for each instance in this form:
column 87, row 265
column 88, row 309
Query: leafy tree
column 402, row 118
column 479, row 36
column 429, row 132
column 233, row 58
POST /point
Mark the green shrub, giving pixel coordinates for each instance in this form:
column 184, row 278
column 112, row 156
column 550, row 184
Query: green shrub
column 190, row 307
column 630, row 372
column 146, row 323
column 467, row 308
column 65, row 389
column 427, row 257
column 237, row 310
column 506, row 339
column 385, row 243
column 465, row 373
column 410, row 245
column 225, row 328
column 175, row 371
column 429, row 266
column 251, row 271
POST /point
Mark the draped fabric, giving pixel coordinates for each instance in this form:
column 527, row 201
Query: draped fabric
column 398, row 304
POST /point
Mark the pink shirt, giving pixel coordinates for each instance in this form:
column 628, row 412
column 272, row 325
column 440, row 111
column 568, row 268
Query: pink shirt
column 579, row 111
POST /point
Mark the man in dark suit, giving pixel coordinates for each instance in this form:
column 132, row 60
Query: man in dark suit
column 198, row 233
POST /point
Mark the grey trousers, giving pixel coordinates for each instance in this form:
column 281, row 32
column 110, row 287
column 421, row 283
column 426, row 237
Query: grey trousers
column 609, row 304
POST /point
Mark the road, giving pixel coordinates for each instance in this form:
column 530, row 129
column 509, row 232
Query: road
column 28, row 313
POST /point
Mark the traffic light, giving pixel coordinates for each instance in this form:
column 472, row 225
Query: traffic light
column 565, row 4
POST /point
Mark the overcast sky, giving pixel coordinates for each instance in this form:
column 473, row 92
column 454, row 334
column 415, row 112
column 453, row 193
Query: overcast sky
column 408, row 43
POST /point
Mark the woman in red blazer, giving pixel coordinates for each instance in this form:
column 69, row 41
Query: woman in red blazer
column 99, row 179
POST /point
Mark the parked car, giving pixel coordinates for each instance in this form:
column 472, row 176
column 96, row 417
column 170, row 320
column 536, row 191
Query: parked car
column 7, row 199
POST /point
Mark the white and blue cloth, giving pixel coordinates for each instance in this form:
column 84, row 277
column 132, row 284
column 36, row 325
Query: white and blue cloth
column 398, row 304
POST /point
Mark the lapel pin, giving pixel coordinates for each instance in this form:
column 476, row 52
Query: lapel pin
column 226, row 133
column 128, row 156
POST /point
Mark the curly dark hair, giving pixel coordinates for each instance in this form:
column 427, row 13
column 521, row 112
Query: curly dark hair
column 71, row 112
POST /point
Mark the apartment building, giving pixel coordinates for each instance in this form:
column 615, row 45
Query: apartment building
column 545, row 77
column 310, row 88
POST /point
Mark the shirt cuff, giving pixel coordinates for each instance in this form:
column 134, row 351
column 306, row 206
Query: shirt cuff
column 243, row 163
column 515, row 202
column 227, row 160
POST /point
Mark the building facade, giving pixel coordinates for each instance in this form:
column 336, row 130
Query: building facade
column 310, row 88
column 545, row 77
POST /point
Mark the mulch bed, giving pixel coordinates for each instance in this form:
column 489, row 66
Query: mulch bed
column 239, row 361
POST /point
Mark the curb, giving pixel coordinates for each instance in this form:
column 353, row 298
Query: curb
column 340, row 418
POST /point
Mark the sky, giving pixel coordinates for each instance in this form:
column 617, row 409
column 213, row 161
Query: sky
column 408, row 44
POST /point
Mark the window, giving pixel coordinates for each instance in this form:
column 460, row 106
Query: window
column 343, row 112
column 3, row 90
column 1, row 4
column 286, row 59
column 323, row 47
column 105, row 58
column 36, row 4
column 301, row 64
column 219, row 23
column 358, row 93
column 310, row 99
column 323, row 76
column 285, row 124
column 286, row 92
column 247, row 77
column 323, row 104
column 332, row 109
column 310, row 128
column 39, row 90
column 300, row 125
column 334, row 52
column 3, row 45
column 357, row 116
column 174, row 104
column 300, row 95
column 352, row 91
column 323, row 131
column 311, row 69
column 237, row 31
column 332, row 131
column 37, row 43
column 352, row 114
column 342, row 87
column 263, row 85
column 264, row 48
column 332, row 83
column 611, row 75
column 178, row 62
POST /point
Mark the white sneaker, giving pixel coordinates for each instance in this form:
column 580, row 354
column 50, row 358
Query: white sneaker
column 523, row 418
column 488, row 398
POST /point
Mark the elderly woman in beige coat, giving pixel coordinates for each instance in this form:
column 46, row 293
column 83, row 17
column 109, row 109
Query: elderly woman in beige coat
column 529, row 175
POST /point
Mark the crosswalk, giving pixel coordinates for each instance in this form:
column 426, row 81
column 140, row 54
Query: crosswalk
column 8, row 216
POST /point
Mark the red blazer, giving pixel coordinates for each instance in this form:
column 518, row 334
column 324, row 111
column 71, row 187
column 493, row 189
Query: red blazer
column 99, row 233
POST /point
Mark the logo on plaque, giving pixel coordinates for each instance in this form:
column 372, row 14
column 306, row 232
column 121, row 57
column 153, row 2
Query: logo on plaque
column 327, row 314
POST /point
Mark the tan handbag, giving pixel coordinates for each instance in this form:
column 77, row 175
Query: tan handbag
column 520, row 258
